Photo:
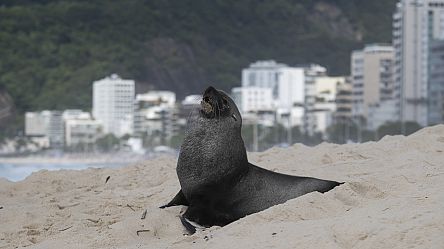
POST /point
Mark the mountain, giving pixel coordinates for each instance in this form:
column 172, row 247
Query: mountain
column 52, row 51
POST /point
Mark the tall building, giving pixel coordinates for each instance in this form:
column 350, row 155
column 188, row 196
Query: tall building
column 113, row 104
column 46, row 124
column 256, row 105
column 436, row 83
column 381, row 113
column 372, row 80
column 325, row 101
column 293, row 90
column 263, row 74
column 416, row 25
column 291, row 87
column 156, row 115
column 311, row 115
column 253, row 99
column 286, row 83
column 343, row 102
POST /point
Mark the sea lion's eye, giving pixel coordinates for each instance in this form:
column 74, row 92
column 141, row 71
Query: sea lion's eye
column 206, row 99
column 225, row 101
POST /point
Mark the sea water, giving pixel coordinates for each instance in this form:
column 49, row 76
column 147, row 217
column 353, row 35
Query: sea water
column 19, row 171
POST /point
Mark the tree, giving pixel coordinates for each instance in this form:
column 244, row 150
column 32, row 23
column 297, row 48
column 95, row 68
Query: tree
column 394, row 128
column 341, row 133
column 107, row 143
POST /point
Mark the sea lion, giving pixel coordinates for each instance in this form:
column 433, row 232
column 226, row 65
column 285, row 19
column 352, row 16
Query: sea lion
column 218, row 184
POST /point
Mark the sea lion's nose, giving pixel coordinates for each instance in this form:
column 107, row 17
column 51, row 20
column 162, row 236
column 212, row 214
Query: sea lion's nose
column 210, row 91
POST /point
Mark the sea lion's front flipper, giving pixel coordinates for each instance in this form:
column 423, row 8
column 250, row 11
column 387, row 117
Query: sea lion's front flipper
column 187, row 224
column 191, row 226
column 191, row 217
column 178, row 200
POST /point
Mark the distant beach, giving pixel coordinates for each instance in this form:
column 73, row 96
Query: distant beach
column 19, row 171
column 18, row 168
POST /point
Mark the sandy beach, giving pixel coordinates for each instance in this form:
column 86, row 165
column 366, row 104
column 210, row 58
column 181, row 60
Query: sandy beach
column 393, row 198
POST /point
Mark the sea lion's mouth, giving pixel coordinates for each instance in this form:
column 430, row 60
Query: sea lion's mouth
column 207, row 108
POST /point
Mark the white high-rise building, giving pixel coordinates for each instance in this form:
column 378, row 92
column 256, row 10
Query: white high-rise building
column 293, row 90
column 291, row 87
column 263, row 74
column 252, row 99
column 113, row 104
column 416, row 24
column 286, row 83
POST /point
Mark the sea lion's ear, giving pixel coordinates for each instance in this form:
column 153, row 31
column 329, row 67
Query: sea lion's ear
column 234, row 116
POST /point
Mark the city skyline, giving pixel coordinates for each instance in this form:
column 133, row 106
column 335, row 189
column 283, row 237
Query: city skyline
column 387, row 83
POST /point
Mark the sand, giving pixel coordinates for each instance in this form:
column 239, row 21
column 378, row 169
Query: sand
column 393, row 198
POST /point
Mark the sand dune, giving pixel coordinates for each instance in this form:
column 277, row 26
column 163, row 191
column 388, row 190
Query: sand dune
column 393, row 198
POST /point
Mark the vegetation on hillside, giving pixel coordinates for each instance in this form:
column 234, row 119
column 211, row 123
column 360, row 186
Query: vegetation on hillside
column 52, row 51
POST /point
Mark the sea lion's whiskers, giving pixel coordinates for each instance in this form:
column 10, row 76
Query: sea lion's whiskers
column 218, row 110
column 189, row 114
column 189, row 117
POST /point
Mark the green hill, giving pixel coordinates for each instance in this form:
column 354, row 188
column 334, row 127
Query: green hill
column 51, row 51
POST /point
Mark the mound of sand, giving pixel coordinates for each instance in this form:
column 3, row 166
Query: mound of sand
column 393, row 198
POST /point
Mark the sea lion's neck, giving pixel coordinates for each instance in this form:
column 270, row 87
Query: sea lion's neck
column 211, row 152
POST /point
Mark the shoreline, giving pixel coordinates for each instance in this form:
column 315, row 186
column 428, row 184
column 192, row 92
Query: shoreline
column 120, row 158
column 51, row 160
column 19, row 168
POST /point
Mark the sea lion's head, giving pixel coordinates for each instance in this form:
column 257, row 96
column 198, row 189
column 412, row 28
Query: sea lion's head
column 216, row 104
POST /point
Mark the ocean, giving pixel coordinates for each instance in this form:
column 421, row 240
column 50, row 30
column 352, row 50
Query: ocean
column 19, row 171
